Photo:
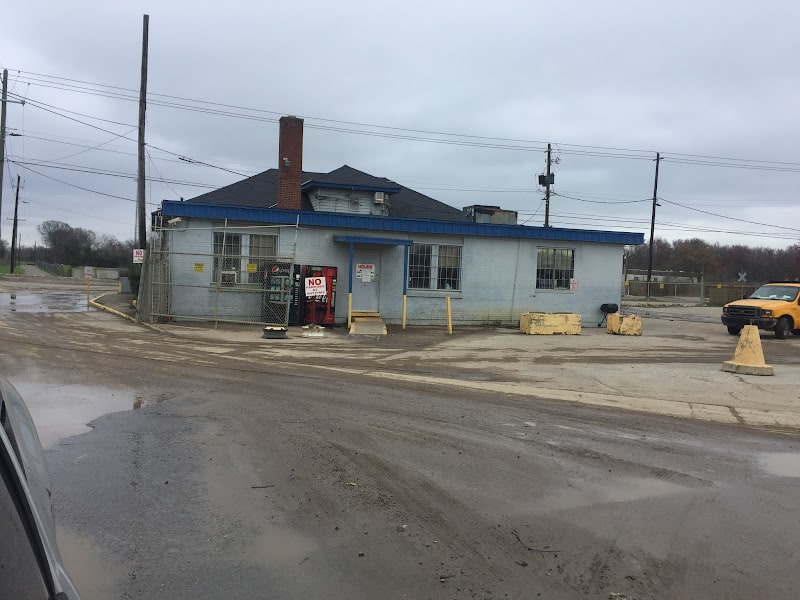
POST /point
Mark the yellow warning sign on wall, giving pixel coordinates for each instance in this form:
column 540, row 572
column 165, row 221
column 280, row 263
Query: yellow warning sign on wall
column 252, row 267
column 199, row 267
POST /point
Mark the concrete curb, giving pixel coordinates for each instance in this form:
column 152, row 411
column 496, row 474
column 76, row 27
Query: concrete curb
column 110, row 310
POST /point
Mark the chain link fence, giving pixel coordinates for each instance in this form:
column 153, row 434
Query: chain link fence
column 697, row 293
column 222, row 274
column 55, row 269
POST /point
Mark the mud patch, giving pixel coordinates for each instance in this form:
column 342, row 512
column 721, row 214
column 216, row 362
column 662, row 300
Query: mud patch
column 628, row 489
column 280, row 546
column 143, row 400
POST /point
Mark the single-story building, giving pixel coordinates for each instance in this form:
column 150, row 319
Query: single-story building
column 382, row 248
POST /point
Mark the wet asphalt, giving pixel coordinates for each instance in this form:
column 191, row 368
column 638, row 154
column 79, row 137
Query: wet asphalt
column 229, row 477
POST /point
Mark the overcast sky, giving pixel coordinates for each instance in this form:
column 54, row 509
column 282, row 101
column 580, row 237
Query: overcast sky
column 396, row 89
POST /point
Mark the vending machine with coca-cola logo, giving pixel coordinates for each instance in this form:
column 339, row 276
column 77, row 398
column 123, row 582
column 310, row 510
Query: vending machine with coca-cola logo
column 313, row 295
column 319, row 293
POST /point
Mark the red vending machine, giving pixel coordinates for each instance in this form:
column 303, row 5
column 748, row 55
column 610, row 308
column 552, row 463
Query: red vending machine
column 319, row 310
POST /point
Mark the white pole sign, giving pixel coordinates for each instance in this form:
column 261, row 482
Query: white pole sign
column 138, row 255
column 315, row 286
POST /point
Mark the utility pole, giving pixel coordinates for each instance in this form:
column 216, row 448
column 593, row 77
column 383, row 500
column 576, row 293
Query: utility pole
column 140, row 181
column 3, row 136
column 653, row 224
column 547, row 191
column 14, row 233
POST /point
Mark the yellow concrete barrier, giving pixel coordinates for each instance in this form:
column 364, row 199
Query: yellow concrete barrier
column 748, row 359
column 624, row 324
column 539, row 323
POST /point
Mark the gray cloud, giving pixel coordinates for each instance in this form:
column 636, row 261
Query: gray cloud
column 711, row 78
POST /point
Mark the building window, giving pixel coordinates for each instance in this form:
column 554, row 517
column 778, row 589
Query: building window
column 227, row 257
column 262, row 247
column 432, row 267
column 419, row 266
column 554, row 268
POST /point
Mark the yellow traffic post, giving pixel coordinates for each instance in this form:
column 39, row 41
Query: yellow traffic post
column 449, row 316
column 349, row 311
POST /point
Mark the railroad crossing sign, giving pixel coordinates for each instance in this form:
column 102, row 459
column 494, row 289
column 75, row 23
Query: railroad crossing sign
column 742, row 276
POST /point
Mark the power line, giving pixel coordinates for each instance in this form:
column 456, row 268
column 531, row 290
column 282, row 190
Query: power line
column 128, row 94
column 63, row 141
column 40, row 104
column 705, row 212
column 90, row 148
column 106, row 172
column 602, row 201
column 85, row 189
column 734, row 165
column 74, row 212
column 588, row 151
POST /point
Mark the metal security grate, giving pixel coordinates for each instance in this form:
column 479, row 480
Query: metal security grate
column 222, row 273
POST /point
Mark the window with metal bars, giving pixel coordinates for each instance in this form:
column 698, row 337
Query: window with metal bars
column 434, row 267
column 227, row 257
column 261, row 247
column 554, row 268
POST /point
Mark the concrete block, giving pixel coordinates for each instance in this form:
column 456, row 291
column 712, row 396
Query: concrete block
column 536, row 323
column 624, row 324
column 748, row 359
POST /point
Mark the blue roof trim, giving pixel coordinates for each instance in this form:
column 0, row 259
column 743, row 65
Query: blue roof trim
column 394, row 224
column 308, row 185
column 370, row 240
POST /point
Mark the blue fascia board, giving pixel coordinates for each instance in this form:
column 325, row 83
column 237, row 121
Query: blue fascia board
column 394, row 224
column 370, row 240
column 308, row 185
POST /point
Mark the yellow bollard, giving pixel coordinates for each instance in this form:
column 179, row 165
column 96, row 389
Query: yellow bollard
column 449, row 316
column 405, row 297
column 349, row 311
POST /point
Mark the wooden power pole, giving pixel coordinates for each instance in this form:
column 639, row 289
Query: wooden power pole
column 141, row 220
column 547, row 191
column 653, row 224
column 3, row 103
column 14, row 233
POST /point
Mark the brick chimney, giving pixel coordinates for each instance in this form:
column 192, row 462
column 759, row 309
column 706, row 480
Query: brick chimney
column 290, row 162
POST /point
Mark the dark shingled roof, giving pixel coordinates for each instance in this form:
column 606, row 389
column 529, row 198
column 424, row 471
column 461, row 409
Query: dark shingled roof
column 258, row 191
column 348, row 176
column 261, row 191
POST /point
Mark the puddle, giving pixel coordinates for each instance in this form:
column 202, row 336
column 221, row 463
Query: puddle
column 584, row 494
column 280, row 546
column 61, row 411
column 782, row 464
column 88, row 566
column 49, row 302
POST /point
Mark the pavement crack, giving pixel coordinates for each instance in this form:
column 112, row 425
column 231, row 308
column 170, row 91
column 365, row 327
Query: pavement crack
column 737, row 416
column 531, row 549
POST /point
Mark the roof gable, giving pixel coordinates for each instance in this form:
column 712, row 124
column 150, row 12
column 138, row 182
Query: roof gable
column 349, row 178
column 261, row 191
